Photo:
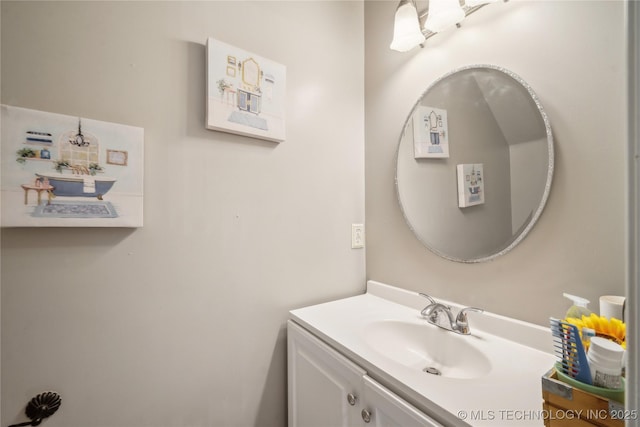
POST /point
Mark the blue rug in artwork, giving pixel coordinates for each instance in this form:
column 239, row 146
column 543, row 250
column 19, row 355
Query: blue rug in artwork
column 75, row 209
column 248, row 120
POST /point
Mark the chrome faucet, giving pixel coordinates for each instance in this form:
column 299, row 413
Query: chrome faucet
column 434, row 311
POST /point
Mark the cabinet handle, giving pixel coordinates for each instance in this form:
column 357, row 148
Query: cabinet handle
column 351, row 399
column 366, row 416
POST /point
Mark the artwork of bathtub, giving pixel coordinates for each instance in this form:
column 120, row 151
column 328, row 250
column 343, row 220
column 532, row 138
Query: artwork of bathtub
column 69, row 171
column 78, row 185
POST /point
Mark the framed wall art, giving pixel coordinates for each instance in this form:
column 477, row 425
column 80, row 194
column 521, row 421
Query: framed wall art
column 117, row 157
column 470, row 184
column 245, row 93
column 65, row 171
column 430, row 136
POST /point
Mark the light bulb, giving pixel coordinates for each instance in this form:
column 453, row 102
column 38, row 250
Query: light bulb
column 443, row 14
column 406, row 27
column 474, row 3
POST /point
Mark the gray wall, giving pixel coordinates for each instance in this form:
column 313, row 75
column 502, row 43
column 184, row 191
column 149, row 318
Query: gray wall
column 181, row 323
column 573, row 56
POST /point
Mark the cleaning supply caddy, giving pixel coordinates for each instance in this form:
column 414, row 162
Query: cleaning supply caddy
column 586, row 385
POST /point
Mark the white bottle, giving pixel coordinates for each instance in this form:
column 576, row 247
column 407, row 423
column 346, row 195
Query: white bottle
column 605, row 363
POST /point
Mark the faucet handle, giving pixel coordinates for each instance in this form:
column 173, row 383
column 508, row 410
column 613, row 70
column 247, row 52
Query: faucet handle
column 429, row 308
column 431, row 300
column 462, row 315
column 462, row 323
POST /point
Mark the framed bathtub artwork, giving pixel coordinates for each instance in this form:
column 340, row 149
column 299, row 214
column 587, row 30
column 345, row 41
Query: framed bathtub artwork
column 66, row 171
column 245, row 93
column 430, row 133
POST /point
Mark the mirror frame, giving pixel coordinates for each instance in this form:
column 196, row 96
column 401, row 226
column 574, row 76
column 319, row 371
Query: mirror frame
column 550, row 150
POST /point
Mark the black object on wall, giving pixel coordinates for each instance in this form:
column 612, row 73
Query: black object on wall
column 40, row 407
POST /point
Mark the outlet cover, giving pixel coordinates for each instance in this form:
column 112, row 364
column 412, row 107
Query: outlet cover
column 357, row 236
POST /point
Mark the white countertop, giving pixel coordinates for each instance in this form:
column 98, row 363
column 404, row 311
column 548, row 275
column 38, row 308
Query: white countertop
column 509, row 394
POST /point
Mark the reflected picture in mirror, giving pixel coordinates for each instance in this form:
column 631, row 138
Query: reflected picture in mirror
column 430, row 135
column 470, row 185
column 495, row 123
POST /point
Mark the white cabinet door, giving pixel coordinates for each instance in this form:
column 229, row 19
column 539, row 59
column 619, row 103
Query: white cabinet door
column 382, row 408
column 324, row 387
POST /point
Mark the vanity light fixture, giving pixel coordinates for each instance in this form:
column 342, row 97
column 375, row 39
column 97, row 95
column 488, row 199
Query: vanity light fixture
column 443, row 14
column 474, row 3
column 406, row 27
column 440, row 15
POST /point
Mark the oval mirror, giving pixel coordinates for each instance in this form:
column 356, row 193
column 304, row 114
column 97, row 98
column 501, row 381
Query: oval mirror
column 474, row 163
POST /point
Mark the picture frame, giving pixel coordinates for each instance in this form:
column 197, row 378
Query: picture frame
column 88, row 174
column 430, row 132
column 246, row 93
column 470, row 184
column 117, row 157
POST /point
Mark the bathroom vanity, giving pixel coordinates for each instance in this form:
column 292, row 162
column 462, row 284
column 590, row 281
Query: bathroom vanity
column 373, row 359
column 391, row 357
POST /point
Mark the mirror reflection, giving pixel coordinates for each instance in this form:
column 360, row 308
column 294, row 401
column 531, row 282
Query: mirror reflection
column 474, row 163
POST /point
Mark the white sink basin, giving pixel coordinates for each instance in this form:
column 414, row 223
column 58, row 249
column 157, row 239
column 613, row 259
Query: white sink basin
column 427, row 348
column 493, row 373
